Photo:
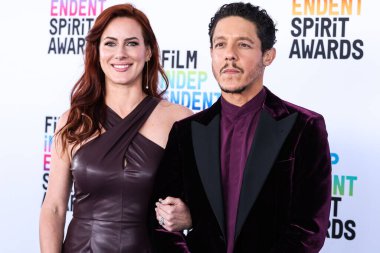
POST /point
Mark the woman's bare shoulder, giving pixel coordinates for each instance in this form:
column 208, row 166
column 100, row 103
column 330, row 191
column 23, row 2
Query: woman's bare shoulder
column 174, row 111
column 62, row 120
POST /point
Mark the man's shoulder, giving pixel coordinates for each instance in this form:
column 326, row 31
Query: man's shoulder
column 302, row 111
column 279, row 106
column 306, row 118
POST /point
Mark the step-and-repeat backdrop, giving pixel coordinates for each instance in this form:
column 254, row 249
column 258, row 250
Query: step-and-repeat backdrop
column 327, row 60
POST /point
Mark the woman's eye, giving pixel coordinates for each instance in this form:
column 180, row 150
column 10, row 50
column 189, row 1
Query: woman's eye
column 109, row 43
column 132, row 43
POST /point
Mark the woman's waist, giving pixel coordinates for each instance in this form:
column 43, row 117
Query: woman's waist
column 109, row 221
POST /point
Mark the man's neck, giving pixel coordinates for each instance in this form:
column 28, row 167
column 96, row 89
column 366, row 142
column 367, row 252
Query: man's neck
column 240, row 99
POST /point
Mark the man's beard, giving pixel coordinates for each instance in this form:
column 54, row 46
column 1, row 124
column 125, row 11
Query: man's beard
column 234, row 91
column 238, row 90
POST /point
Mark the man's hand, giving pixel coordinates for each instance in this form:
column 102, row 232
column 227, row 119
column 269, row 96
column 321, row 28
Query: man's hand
column 173, row 214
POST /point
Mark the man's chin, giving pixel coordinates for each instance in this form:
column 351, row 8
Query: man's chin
column 234, row 90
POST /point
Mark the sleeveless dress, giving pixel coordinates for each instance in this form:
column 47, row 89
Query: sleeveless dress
column 113, row 177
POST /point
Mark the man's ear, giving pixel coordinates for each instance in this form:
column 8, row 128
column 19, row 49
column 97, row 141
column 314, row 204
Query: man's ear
column 269, row 56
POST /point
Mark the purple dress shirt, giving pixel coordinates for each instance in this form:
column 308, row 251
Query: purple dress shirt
column 237, row 129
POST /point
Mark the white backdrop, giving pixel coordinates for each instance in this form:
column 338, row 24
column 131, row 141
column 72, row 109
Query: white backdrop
column 36, row 81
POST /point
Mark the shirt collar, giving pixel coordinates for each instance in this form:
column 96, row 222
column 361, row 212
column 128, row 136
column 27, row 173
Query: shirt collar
column 232, row 111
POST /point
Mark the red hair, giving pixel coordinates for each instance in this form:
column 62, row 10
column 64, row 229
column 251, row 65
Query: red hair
column 87, row 107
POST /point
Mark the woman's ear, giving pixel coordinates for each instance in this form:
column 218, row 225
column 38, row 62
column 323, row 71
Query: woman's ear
column 148, row 54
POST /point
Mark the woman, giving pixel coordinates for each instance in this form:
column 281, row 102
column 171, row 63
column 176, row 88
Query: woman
column 110, row 141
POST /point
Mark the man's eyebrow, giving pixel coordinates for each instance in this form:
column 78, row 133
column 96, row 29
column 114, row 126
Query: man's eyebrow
column 238, row 38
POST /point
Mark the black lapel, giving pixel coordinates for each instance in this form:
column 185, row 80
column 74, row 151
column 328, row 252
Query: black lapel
column 269, row 138
column 206, row 150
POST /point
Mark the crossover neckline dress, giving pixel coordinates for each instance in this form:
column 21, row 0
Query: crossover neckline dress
column 113, row 177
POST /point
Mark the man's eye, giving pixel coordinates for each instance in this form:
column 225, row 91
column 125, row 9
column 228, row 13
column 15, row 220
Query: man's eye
column 220, row 44
column 245, row 45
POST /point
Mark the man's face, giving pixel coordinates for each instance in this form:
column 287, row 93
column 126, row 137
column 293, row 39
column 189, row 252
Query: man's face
column 237, row 61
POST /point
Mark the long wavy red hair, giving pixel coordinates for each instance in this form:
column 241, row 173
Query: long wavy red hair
column 87, row 107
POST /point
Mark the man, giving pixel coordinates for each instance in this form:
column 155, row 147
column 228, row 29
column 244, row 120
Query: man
column 254, row 170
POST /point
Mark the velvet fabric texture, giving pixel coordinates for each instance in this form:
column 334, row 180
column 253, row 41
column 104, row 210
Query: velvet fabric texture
column 285, row 196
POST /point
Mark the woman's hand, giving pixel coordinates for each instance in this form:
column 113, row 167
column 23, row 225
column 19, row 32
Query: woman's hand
column 173, row 214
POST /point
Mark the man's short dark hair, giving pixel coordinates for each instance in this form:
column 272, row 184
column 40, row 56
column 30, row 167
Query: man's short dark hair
column 266, row 30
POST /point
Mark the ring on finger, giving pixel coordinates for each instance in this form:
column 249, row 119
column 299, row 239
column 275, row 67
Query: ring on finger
column 162, row 221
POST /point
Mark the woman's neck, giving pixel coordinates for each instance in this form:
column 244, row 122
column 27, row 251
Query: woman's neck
column 123, row 99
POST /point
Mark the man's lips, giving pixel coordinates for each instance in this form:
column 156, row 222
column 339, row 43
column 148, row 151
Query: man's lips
column 230, row 71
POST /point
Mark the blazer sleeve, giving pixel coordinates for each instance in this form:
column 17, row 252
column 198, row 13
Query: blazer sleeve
column 311, row 196
column 168, row 182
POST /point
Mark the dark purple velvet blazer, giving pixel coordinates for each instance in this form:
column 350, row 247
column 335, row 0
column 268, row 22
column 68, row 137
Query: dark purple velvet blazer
column 285, row 197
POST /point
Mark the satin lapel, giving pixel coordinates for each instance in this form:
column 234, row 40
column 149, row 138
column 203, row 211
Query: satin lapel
column 206, row 150
column 269, row 138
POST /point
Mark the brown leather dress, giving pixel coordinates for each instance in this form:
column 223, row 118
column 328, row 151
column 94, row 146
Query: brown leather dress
column 113, row 179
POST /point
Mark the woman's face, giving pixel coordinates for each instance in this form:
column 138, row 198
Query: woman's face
column 122, row 52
